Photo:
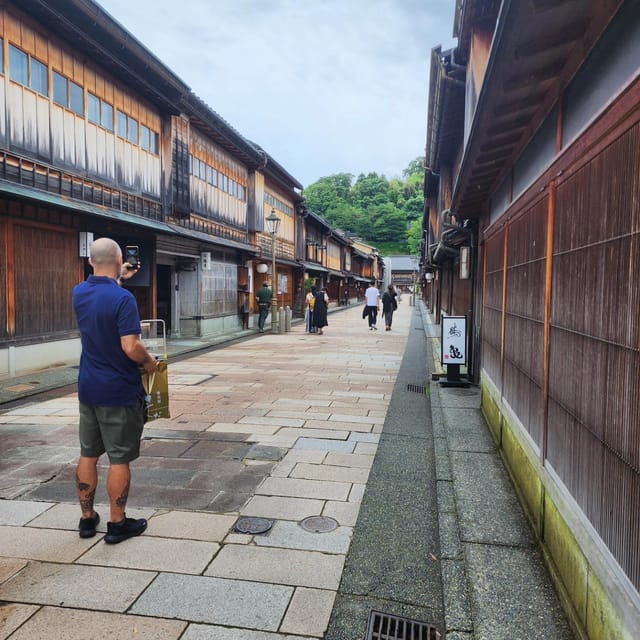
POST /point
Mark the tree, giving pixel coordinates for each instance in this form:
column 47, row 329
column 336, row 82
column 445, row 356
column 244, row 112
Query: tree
column 346, row 217
column 414, row 167
column 370, row 190
column 414, row 237
column 376, row 209
column 326, row 192
column 389, row 223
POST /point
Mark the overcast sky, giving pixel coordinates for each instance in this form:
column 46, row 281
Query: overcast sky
column 324, row 86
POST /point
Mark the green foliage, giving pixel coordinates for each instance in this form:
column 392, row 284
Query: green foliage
column 308, row 283
column 414, row 236
column 377, row 210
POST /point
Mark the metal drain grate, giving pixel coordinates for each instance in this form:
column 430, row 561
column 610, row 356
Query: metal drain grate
column 383, row 626
column 418, row 388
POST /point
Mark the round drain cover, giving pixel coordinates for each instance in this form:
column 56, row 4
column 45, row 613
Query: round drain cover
column 253, row 525
column 319, row 524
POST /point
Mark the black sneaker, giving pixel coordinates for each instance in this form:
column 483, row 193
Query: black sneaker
column 87, row 526
column 128, row 528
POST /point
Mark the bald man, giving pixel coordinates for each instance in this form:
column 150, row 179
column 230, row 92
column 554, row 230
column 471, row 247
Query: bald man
column 110, row 388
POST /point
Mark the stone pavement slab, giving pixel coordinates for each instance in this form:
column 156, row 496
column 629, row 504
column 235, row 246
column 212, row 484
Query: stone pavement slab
column 489, row 510
column 82, row 587
column 279, row 566
column 300, row 488
column 190, row 525
column 513, row 596
column 329, row 473
column 53, row 623
column 154, row 554
column 42, row 544
column 345, row 513
column 290, row 535
column 318, row 444
column 349, row 460
column 18, row 513
column 216, row 601
column 66, row 516
column 282, row 508
column 309, row 612
column 211, row 632
column 12, row 616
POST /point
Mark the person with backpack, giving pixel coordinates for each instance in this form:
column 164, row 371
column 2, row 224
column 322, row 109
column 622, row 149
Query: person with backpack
column 310, row 301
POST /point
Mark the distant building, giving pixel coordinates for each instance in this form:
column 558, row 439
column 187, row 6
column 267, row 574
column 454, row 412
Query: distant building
column 401, row 271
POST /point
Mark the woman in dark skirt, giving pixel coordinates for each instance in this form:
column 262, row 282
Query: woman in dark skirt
column 320, row 310
column 389, row 305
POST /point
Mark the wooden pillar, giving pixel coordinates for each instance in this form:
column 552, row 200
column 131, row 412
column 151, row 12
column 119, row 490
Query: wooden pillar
column 551, row 205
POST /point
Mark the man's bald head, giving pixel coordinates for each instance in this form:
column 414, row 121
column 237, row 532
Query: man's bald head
column 105, row 252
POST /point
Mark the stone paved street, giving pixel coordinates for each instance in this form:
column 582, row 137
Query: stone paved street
column 279, row 426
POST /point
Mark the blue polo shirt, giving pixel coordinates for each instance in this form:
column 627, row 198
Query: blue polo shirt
column 105, row 312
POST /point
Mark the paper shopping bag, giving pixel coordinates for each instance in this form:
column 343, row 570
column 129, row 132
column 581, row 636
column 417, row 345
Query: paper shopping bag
column 156, row 388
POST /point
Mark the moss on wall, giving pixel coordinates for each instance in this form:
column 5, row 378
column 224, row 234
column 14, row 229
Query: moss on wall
column 587, row 603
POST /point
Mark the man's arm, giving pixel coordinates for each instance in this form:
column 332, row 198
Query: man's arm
column 136, row 351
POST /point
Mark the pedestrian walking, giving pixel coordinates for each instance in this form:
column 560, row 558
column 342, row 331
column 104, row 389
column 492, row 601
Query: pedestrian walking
column 110, row 391
column 320, row 310
column 263, row 296
column 389, row 305
column 372, row 304
column 310, row 302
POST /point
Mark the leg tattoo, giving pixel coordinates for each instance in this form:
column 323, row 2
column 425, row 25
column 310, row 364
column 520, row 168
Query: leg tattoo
column 121, row 500
column 86, row 495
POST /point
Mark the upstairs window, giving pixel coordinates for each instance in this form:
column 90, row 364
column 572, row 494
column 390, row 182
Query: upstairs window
column 60, row 89
column 76, row 98
column 149, row 140
column 132, row 126
column 1, row 55
column 106, row 116
column 145, row 137
column 99, row 111
column 93, row 108
column 122, row 124
column 68, row 94
column 28, row 71
column 18, row 65
column 39, row 77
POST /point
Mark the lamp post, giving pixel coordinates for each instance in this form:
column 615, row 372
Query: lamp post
column 273, row 222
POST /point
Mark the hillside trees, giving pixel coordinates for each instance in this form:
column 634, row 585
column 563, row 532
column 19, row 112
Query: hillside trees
column 372, row 207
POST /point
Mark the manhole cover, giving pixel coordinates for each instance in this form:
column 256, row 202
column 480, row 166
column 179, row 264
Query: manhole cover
column 319, row 524
column 253, row 525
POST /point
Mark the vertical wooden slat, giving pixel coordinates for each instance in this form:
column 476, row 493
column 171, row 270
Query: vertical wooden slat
column 10, row 282
column 547, row 317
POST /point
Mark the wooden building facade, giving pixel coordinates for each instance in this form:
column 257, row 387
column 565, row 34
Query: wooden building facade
column 545, row 164
column 99, row 138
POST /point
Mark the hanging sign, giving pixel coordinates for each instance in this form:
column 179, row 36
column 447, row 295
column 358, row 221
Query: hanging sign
column 453, row 340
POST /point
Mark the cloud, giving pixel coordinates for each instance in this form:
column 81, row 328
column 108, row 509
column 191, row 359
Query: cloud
column 324, row 87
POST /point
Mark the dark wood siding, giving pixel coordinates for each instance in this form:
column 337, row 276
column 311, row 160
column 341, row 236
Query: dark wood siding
column 524, row 317
column 44, row 286
column 492, row 311
column 3, row 281
column 590, row 434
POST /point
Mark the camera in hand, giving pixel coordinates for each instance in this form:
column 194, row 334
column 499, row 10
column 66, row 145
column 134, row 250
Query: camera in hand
column 132, row 256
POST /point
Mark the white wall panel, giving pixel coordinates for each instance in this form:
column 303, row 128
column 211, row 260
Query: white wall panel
column 43, row 110
column 16, row 115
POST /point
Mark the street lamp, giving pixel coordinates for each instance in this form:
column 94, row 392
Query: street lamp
column 273, row 222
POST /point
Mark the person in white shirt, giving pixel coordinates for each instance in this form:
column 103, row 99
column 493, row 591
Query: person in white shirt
column 372, row 301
